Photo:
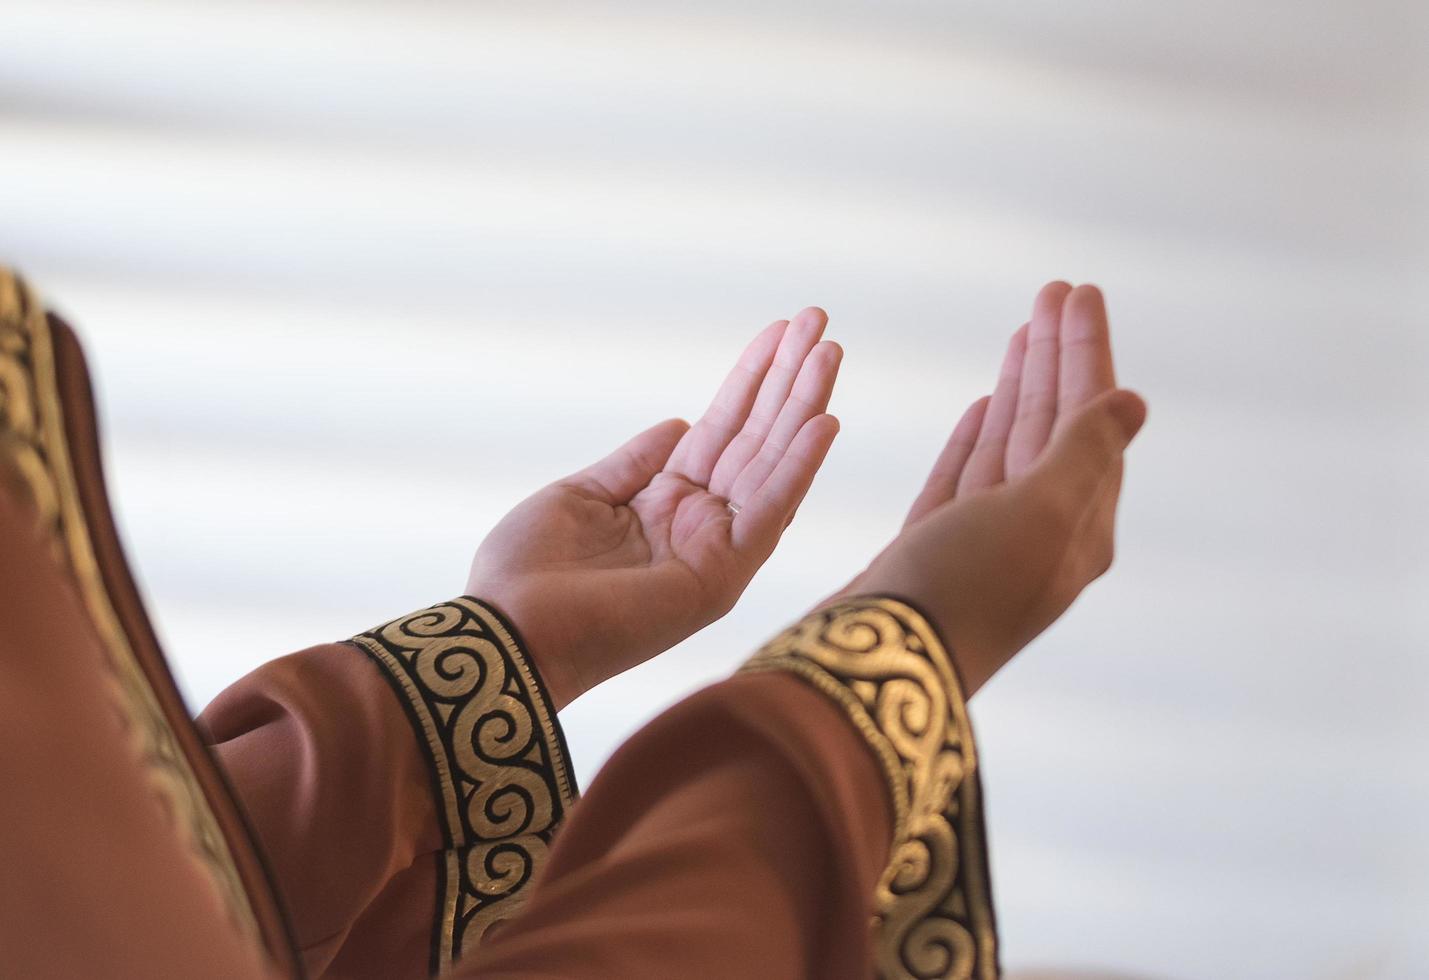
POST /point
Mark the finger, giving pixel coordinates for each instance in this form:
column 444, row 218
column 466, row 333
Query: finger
column 1037, row 390
column 694, row 458
column 799, row 339
column 985, row 465
column 759, row 523
column 809, row 397
column 942, row 483
column 628, row 470
column 1088, row 448
column 1086, row 369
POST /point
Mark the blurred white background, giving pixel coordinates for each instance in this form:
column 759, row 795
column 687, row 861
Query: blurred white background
column 357, row 277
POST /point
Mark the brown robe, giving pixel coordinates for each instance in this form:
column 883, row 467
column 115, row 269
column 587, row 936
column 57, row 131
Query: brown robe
column 816, row 815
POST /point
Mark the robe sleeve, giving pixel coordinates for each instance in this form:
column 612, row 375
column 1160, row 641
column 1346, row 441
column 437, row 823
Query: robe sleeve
column 404, row 785
column 817, row 815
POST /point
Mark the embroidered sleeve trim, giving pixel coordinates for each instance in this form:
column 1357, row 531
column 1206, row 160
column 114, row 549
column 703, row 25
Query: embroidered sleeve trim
column 882, row 663
column 497, row 757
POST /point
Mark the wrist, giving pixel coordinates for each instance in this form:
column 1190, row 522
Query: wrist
column 559, row 686
column 558, row 683
column 975, row 657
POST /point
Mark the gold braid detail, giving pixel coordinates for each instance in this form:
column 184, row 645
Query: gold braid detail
column 33, row 442
column 882, row 663
column 496, row 754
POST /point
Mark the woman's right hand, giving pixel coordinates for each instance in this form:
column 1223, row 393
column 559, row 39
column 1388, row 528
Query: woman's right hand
column 1017, row 516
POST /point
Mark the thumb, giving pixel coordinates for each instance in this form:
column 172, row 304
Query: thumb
column 625, row 472
column 1088, row 446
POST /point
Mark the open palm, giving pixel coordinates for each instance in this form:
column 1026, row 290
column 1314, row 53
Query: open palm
column 614, row 564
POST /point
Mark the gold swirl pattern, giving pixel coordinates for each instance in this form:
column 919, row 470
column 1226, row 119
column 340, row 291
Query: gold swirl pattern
column 883, row 664
column 496, row 754
column 33, row 441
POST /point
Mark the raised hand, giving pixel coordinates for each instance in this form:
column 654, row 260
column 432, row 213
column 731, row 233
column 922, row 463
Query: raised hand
column 1017, row 516
column 614, row 564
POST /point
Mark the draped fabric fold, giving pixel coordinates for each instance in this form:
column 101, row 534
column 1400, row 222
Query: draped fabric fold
column 406, row 785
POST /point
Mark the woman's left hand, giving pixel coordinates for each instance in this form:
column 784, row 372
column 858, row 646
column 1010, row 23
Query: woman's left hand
column 607, row 568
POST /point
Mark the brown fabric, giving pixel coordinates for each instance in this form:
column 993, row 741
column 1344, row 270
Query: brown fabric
column 122, row 596
column 753, row 810
column 327, row 767
column 95, row 881
column 54, row 497
column 740, row 834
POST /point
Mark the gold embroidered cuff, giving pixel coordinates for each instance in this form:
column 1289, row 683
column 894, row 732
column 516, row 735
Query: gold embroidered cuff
column 498, row 759
column 881, row 661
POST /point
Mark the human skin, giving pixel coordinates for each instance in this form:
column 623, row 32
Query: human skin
column 619, row 562
column 1018, row 514
column 612, row 565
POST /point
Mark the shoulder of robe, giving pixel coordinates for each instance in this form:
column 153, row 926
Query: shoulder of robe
column 496, row 754
column 50, row 463
column 883, row 664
